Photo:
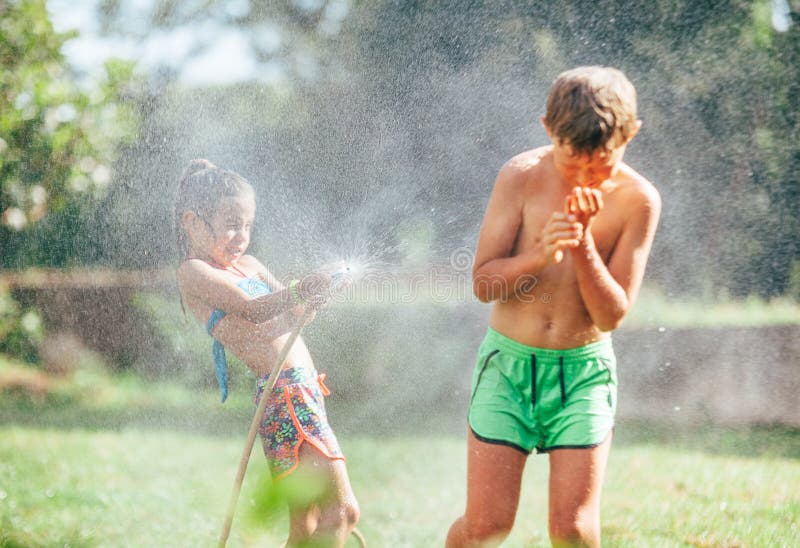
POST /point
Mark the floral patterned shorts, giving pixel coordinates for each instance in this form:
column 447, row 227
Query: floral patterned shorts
column 295, row 414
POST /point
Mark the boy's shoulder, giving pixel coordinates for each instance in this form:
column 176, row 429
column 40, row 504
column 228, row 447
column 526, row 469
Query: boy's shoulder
column 527, row 161
column 523, row 167
column 637, row 187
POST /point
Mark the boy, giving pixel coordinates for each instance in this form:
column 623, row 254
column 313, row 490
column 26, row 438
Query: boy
column 575, row 223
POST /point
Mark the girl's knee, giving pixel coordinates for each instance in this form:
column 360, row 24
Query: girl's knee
column 343, row 514
column 352, row 513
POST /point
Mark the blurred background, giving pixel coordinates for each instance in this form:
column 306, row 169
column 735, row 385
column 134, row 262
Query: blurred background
column 372, row 131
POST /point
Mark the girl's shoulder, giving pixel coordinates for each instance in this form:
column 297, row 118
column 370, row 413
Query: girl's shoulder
column 255, row 269
column 250, row 265
column 187, row 266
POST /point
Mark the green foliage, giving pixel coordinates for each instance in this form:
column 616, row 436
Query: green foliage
column 58, row 141
column 20, row 329
column 58, row 138
column 414, row 106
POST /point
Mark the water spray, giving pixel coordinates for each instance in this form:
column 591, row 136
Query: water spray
column 338, row 272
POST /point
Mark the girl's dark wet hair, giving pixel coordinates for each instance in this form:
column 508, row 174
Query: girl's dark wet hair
column 201, row 188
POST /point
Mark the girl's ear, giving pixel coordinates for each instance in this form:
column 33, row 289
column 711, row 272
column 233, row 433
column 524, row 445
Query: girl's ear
column 189, row 221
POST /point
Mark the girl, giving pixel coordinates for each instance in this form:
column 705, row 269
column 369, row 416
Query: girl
column 247, row 310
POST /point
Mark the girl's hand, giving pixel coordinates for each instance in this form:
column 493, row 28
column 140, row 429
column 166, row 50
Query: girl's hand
column 584, row 203
column 299, row 313
column 561, row 232
column 314, row 288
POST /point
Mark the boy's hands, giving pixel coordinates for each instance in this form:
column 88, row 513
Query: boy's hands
column 562, row 231
column 583, row 203
column 567, row 230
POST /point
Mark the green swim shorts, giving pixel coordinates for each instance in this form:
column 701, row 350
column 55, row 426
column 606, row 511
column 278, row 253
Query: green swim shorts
column 539, row 398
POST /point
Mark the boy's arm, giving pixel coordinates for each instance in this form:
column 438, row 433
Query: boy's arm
column 496, row 274
column 609, row 292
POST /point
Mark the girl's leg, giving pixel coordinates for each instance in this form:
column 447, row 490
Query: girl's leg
column 328, row 519
column 494, row 473
column 576, row 479
column 303, row 520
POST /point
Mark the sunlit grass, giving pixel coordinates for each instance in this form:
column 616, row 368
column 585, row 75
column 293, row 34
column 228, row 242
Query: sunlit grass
column 146, row 488
column 654, row 309
column 99, row 461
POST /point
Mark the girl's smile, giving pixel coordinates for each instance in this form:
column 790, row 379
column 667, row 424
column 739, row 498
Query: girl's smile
column 226, row 235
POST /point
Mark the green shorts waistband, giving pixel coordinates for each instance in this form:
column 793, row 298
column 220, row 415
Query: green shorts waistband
column 501, row 342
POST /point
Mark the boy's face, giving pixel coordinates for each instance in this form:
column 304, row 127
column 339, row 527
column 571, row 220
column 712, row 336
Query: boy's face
column 587, row 170
column 226, row 234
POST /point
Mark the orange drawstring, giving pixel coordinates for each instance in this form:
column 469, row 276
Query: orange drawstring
column 321, row 379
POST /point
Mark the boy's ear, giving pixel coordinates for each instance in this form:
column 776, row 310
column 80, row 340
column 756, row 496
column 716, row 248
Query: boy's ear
column 636, row 129
column 546, row 127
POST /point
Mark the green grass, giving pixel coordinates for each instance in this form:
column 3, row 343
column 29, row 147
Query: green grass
column 654, row 309
column 150, row 488
column 101, row 461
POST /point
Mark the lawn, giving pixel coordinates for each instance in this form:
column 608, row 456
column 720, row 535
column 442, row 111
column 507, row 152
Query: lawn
column 102, row 460
column 138, row 487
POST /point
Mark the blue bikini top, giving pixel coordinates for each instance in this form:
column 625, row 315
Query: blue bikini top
column 254, row 288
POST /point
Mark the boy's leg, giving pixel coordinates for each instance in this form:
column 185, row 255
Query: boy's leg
column 328, row 519
column 494, row 473
column 576, row 479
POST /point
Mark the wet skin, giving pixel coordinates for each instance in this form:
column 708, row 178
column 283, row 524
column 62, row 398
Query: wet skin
column 578, row 229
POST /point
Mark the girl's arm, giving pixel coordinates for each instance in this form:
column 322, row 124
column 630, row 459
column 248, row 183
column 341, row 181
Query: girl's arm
column 213, row 287
column 254, row 265
column 285, row 322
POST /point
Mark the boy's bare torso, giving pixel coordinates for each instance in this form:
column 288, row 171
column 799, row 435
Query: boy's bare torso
column 552, row 313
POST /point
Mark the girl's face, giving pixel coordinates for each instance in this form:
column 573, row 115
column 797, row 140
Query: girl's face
column 225, row 236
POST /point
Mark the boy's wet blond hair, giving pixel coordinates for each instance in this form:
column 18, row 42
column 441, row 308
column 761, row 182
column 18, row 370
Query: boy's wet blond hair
column 591, row 108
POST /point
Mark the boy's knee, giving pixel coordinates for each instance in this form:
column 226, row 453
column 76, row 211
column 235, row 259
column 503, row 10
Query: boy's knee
column 488, row 532
column 577, row 530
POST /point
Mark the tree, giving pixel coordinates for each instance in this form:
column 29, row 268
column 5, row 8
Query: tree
column 58, row 138
column 414, row 106
column 58, row 141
